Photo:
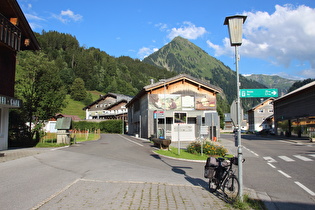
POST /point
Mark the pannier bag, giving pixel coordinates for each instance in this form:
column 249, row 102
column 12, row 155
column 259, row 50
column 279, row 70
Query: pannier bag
column 210, row 167
column 235, row 160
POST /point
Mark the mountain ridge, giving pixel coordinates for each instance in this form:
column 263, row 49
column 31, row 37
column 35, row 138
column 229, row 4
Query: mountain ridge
column 182, row 56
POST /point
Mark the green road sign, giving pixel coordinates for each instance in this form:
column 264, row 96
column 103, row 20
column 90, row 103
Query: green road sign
column 258, row 93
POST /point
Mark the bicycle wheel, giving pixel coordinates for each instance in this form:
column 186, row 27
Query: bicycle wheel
column 231, row 187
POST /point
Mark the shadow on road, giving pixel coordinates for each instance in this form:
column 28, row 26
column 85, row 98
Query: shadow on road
column 195, row 181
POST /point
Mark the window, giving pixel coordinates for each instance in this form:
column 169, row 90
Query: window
column 270, row 110
column 180, row 117
column 260, row 111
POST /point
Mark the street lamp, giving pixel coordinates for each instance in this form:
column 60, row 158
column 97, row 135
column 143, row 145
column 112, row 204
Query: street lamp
column 235, row 25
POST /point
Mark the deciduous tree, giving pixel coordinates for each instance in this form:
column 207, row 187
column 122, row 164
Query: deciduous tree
column 39, row 86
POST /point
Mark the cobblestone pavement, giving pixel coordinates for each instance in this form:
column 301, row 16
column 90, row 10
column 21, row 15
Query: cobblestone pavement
column 94, row 194
column 98, row 194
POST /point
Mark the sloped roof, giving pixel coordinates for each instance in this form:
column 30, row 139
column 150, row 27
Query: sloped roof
column 175, row 79
column 181, row 77
column 115, row 104
column 260, row 104
column 309, row 85
column 118, row 97
column 64, row 123
column 10, row 8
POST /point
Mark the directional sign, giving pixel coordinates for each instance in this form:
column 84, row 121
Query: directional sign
column 258, row 93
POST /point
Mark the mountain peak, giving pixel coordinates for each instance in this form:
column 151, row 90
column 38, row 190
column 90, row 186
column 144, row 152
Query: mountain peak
column 183, row 57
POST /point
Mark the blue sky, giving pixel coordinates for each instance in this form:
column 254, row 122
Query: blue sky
column 278, row 35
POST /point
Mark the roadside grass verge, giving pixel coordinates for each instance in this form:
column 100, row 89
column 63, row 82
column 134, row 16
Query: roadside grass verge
column 173, row 152
column 249, row 203
column 51, row 139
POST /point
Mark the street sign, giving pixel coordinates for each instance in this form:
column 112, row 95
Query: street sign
column 158, row 114
column 258, row 93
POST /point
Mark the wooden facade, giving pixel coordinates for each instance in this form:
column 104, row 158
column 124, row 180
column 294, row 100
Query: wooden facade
column 295, row 111
column 15, row 35
column 159, row 107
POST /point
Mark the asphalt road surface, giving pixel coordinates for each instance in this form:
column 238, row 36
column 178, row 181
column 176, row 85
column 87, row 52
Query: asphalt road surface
column 115, row 172
column 283, row 170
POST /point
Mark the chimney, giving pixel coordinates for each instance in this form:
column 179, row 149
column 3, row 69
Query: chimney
column 151, row 81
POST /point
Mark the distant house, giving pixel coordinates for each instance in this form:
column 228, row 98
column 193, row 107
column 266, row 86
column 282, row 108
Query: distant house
column 228, row 123
column 15, row 35
column 109, row 106
column 259, row 117
column 295, row 111
column 174, row 108
column 50, row 125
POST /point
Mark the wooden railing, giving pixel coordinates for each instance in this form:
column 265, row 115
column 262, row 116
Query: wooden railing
column 9, row 34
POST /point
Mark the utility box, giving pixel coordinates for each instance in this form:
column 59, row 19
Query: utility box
column 63, row 127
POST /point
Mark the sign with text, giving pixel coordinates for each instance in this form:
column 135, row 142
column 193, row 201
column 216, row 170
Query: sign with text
column 258, row 93
column 10, row 102
column 158, row 114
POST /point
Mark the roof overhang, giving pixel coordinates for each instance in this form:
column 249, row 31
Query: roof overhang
column 11, row 9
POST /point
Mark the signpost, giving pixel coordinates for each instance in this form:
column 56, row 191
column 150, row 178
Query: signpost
column 258, row 93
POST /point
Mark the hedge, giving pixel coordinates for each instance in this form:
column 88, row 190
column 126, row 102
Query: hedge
column 108, row 126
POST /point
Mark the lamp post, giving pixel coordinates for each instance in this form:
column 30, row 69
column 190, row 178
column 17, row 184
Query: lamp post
column 235, row 24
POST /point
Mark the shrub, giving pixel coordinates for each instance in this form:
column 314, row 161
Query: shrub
column 208, row 149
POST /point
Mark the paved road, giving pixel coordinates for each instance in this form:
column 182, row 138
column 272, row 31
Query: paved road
column 282, row 170
column 115, row 172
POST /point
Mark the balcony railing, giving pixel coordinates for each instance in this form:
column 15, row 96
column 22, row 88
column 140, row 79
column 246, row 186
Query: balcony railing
column 9, row 34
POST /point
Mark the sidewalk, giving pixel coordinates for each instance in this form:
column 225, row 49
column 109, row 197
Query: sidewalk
column 16, row 153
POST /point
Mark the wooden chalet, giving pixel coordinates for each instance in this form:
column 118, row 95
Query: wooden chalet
column 179, row 103
column 109, row 106
column 15, row 35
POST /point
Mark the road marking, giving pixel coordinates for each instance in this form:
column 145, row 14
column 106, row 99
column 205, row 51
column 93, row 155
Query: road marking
column 286, row 158
column 284, row 174
column 302, row 158
column 251, row 151
column 131, row 141
column 305, row 188
column 270, row 159
column 288, row 142
column 313, row 155
column 271, row 165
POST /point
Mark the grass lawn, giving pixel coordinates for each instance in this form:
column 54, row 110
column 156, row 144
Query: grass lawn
column 75, row 107
column 173, row 152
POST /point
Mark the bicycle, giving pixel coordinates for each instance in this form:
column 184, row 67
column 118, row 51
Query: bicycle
column 221, row 176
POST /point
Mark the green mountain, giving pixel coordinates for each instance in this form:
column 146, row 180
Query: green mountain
column 96, row 68
column 273, row 81
column 182, row 56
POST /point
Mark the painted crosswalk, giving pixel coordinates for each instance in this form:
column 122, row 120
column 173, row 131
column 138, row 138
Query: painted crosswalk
column 303, row 158
column 285, row 158
column 293, row 158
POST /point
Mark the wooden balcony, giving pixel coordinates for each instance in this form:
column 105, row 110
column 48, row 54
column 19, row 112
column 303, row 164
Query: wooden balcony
column 10, row 35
